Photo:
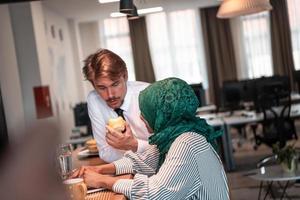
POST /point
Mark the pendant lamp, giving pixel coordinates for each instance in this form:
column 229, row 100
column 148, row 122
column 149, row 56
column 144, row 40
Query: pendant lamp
column 234, row 8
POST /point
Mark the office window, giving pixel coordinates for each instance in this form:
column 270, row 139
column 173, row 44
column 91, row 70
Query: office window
column 256, row 38
column 294, row 17
column 117, row 39
column 175, row 45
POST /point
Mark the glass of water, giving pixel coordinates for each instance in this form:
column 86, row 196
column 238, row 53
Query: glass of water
column 65, row 160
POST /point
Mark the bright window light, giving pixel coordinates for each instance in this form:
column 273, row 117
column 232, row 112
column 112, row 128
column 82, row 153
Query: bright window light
column 117, row 14
column 107, row 1
column 140, row 11
column 150, row 10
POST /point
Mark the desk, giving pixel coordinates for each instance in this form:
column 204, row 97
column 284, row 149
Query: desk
column 209, row 109
column 274, row 174
column 246, row 117
column 238, row 118
column 226, row 120
column 107, row 195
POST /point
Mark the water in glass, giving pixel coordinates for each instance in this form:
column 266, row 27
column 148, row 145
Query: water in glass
column 65, row 161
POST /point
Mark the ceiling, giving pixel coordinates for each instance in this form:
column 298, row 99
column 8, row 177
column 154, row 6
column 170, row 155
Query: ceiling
column 86, row 10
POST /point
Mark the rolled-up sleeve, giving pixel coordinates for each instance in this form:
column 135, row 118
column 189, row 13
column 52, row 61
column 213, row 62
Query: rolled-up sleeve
column 123, row 186
column 123, row 166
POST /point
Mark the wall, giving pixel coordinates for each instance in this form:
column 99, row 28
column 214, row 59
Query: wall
column 76, row 50
column 62, row 73
column 9, row 77
column 26, row 53
column 30, row 57
column 90, row 42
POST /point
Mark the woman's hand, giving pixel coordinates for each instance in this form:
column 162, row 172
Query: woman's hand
column 100, row 169
column 79, row 172
column 93, row 179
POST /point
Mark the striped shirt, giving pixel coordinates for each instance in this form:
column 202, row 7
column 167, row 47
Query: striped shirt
column 191, row 170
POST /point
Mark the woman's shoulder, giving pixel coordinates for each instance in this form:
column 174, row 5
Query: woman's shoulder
column 191, row 136
column 191, row 141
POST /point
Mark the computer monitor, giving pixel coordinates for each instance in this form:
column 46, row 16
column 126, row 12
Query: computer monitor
column 81, row 116
column 200, row 93
column 231, row 95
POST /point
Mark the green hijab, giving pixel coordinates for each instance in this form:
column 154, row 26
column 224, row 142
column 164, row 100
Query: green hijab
column 169, row 106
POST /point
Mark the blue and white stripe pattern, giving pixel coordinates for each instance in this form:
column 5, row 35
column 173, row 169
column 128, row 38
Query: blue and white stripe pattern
column 191, row 170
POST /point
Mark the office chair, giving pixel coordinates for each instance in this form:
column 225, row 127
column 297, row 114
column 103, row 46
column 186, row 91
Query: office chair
column 274, row 102
column 81, row 117
column 200, row 93
column 296, row 74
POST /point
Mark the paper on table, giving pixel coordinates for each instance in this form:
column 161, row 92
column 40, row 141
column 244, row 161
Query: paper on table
column 94, row 190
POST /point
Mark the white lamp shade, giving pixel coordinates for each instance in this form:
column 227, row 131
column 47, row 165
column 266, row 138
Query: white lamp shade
column 234, row 8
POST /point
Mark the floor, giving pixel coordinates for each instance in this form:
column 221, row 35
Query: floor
column 243, row 187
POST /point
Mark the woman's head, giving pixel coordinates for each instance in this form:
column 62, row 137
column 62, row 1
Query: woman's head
column 169, row 108
column 166, row 102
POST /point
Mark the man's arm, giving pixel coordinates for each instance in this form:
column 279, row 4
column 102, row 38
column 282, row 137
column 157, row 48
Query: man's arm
column 106, row 152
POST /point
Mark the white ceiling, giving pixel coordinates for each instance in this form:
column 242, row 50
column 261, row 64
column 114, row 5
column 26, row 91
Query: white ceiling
column 87, row 10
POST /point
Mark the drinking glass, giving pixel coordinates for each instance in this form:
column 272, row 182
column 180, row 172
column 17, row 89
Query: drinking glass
column 65, row 160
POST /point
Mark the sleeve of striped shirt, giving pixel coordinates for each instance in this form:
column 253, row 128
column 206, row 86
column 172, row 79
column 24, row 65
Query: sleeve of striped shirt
column 144, row 163
column 175, row 176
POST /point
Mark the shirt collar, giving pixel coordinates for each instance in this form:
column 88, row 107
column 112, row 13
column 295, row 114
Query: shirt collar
column 126, row 103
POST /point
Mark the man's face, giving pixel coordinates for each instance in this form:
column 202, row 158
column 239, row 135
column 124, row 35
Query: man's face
column 112, row 91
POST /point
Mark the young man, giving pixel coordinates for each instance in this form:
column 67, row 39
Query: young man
column 108, row 74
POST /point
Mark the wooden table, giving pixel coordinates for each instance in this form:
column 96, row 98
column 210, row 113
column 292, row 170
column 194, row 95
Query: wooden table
column 103, row 195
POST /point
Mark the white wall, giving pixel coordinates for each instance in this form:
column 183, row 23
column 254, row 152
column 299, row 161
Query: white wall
column 31, row 57
column 90, row 42
column 40, row 37
column 77, row 57
column 62, row 72
column 89, row 36
column 9, row 77
column 26, row 53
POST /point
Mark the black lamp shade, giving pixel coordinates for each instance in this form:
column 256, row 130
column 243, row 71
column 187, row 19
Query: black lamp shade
column 133, row 14
column 126, row 5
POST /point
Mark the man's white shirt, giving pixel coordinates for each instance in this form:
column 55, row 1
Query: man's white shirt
column 100, row 113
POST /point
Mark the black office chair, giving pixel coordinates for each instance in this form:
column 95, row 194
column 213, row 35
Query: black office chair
column 275, row 103
column 81, row 117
